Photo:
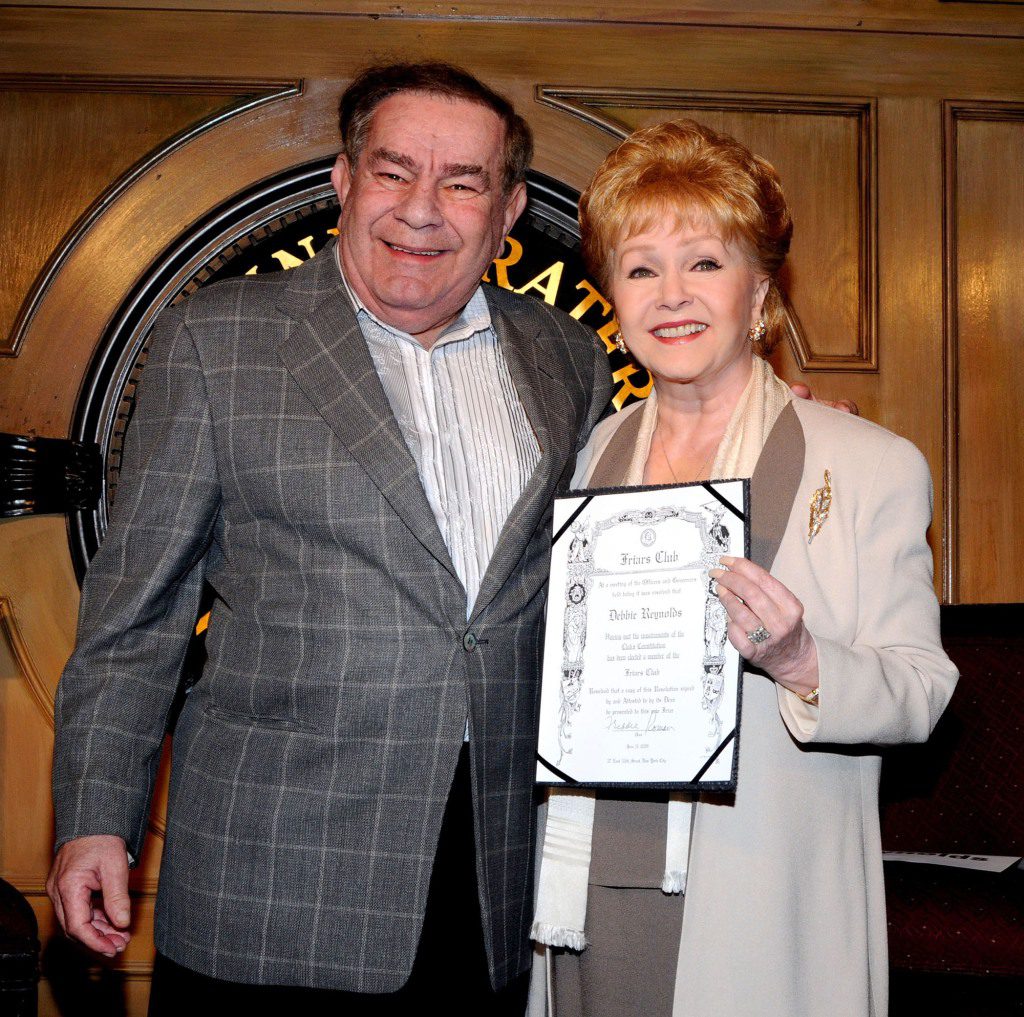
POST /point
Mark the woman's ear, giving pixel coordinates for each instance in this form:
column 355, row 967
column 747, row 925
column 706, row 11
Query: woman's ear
column 757, row 304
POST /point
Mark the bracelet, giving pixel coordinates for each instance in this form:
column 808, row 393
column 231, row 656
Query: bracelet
column 811, row 697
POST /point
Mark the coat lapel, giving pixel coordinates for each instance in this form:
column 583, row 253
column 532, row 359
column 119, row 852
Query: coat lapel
column 326, row 353
column 544, row 399
column 613, row 466
column 774, row 485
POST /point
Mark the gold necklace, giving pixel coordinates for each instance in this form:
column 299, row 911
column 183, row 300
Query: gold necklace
column 704, row 468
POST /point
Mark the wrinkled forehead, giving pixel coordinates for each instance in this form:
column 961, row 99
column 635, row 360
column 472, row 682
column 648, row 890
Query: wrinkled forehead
column 421, row 116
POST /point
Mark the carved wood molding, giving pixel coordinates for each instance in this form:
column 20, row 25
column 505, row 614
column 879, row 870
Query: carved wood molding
column 19, row 651
column 254, row 92
column 588, row 104
column 954, row 111
column 144, row 84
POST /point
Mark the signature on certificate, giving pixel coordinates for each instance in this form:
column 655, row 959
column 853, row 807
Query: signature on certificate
column 641, row 723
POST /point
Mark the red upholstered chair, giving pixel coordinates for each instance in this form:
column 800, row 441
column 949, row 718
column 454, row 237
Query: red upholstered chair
column 956, row 937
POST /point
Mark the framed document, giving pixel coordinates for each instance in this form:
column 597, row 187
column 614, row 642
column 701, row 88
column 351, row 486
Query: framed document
column 640, row 684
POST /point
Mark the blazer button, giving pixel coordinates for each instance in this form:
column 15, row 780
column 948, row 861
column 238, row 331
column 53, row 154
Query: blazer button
column 469, row 641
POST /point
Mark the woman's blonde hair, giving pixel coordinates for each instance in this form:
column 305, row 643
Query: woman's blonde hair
column 682, row 171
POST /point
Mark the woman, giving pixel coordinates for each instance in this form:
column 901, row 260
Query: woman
column 782, row 907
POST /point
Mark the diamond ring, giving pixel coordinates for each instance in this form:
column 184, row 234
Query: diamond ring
column 759, row 635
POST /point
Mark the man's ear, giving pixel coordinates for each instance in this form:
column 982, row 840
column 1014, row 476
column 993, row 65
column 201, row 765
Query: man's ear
column 514, row 205
column 341, row 177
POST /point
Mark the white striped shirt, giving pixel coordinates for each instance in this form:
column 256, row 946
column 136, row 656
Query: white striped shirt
column 464, row 424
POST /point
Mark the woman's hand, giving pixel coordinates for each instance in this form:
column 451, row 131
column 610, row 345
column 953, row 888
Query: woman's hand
column 756, row 600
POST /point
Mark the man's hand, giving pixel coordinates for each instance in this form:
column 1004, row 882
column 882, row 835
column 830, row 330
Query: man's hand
column 91, row 867
column 846, row 405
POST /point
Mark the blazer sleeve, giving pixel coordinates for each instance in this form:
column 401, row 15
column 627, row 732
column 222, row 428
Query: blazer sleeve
column 139, row 602
column 892, row 684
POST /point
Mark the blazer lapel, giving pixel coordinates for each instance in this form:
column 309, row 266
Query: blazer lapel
column 774, row 485
column 326, row 353
column 543, row 397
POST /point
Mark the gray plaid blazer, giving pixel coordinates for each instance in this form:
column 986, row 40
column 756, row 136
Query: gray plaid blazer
column 312, row 761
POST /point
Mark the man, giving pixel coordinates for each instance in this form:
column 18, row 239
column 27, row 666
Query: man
column 359, row 457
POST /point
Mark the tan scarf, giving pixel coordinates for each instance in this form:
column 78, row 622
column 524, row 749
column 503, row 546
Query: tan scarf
column 565, row 860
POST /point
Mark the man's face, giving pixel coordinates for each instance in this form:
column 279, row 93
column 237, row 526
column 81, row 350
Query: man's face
column 423, row 212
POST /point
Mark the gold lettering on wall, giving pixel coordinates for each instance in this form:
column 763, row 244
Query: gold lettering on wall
column 546, row 283
column 502, row 262
column 592, row 297
column 626, row 387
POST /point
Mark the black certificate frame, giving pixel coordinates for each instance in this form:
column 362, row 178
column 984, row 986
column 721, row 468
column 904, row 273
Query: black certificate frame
column 561, row 777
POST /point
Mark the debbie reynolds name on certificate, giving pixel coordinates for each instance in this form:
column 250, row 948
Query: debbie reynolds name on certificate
column 641, row 685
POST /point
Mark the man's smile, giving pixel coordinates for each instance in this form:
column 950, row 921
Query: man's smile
column 417, row 252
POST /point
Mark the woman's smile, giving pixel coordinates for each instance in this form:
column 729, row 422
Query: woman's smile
column 678, row 331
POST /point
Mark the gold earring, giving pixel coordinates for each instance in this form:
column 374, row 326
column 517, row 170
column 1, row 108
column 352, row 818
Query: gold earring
column 621, row 344
column 758, row 332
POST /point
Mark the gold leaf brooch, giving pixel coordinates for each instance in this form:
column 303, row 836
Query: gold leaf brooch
column 821, row 502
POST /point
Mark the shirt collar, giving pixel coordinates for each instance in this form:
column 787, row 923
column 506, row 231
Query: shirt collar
column 475, row 317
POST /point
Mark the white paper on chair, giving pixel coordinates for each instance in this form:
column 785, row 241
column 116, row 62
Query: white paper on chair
column 955, row 860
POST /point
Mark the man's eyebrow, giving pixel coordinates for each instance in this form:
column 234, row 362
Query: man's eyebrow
column 448, row 170
column 386, row 155
column 466, row 169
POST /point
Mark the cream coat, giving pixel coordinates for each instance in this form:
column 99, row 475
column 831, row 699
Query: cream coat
column 784, row 913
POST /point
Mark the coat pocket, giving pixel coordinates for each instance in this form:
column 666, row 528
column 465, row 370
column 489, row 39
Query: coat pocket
column 246, row 720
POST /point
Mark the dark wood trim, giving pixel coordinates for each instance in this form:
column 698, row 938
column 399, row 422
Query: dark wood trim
column 143, row 84
column 982, row 621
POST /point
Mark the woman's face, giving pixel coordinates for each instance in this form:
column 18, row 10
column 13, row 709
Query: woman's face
column 685, row 301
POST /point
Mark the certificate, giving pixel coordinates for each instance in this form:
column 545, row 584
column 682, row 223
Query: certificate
column 640, row 684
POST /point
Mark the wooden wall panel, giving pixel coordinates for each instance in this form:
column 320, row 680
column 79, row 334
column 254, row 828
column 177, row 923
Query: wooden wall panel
column 824, row 151
column 907, row 396
column 986, row 352
column 37, row 602
column 59, row 151
column 94, row 267
column 694, row 56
